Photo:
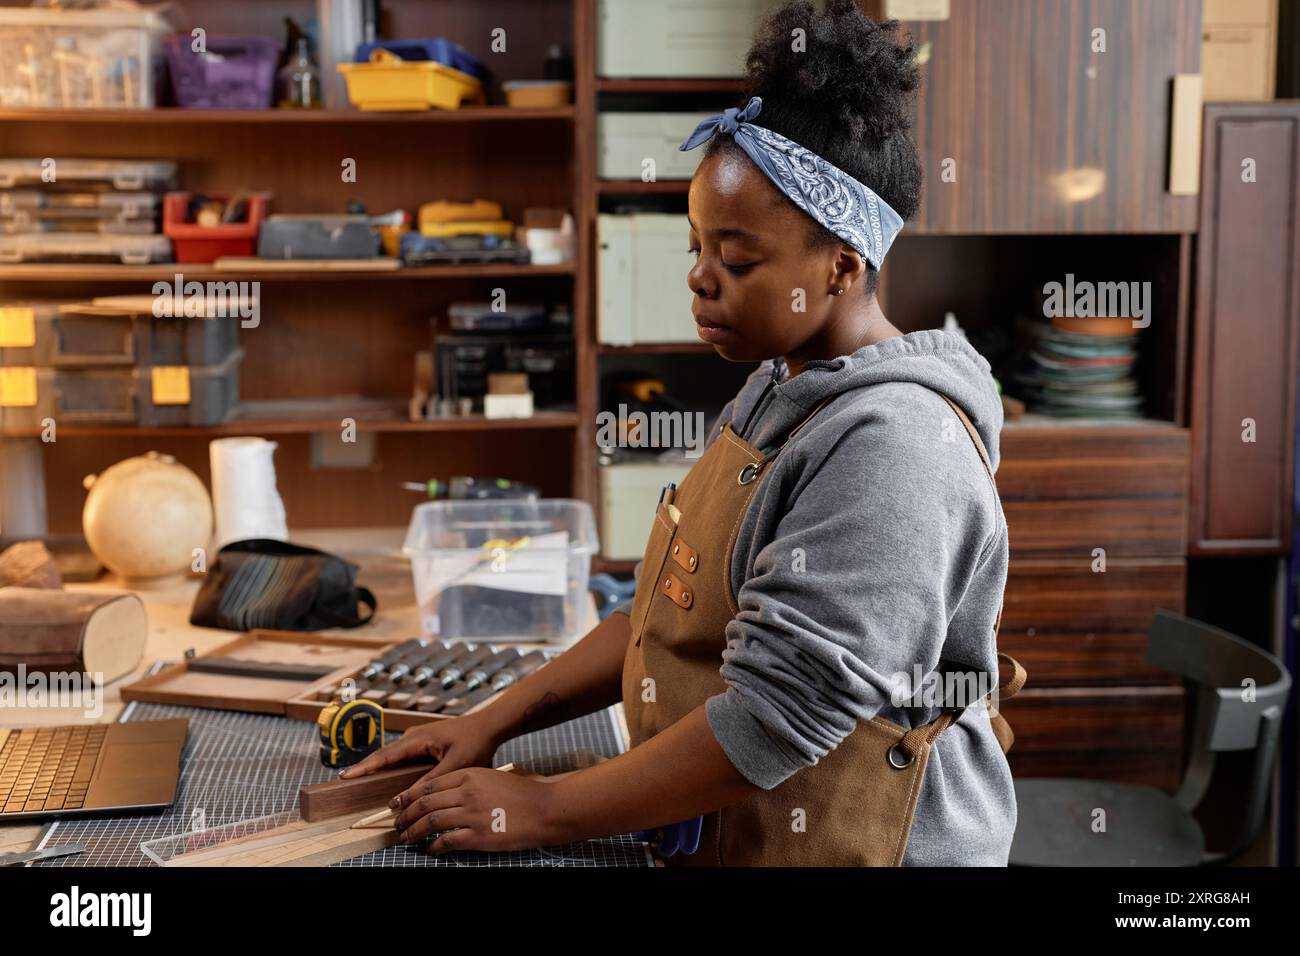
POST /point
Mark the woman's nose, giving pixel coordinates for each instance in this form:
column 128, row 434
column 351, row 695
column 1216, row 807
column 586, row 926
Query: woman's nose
column 699, row 281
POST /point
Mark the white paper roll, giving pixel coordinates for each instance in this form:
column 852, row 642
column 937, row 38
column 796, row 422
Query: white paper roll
column 245, row 501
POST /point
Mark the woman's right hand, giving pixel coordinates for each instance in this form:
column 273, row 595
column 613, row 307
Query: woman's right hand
column 467, row 741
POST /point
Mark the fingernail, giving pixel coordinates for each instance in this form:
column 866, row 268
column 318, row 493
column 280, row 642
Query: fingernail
column 394, row 803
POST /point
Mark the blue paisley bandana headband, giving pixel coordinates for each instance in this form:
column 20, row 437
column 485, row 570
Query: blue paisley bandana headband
column 850, row 210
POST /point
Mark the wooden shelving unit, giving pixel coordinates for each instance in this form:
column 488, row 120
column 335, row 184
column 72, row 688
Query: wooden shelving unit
column 109, row 272
column 325, row 334
column 172, row 116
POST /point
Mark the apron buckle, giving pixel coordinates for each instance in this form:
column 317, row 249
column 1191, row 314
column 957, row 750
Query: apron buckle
column 749, row 473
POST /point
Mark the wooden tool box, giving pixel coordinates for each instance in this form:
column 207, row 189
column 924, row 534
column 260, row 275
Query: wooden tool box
column 189, row 682
column 273, row 672
column 311, row 699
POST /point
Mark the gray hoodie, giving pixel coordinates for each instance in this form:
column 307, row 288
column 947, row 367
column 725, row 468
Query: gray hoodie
column 874, row 545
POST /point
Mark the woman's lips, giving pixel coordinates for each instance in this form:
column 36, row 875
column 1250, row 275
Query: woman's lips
column 710, row 332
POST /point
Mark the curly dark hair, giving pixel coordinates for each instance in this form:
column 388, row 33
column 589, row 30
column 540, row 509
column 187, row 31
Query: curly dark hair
column 848, row 96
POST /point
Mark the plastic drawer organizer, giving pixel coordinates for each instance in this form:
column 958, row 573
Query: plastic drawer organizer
column 32, row 211
column 151, row 396
column 82, row 336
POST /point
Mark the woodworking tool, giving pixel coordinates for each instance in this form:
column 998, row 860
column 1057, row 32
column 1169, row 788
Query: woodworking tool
column 350, row 731
column 13, row 859
column 380, row 664
column 490, row 667
column 473, row 489
column 269, row 670
column 472, row 657
column 430, row 668
column 518, row 670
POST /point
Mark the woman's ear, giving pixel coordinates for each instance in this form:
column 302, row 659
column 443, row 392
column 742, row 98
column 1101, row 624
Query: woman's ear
column 849, row 269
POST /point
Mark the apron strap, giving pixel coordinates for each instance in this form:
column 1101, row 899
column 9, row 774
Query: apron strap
column 974, row 434
column 1011, row 678
column 763, row 462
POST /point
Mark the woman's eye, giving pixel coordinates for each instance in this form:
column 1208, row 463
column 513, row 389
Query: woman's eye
column 739, row 270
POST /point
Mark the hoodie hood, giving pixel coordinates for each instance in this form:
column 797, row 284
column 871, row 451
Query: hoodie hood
column 771, row 403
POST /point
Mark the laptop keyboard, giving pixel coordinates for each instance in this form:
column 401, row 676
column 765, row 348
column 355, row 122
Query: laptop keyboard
column 48, row 768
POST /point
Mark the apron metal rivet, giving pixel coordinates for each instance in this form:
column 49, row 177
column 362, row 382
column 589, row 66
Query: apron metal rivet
column 668, row 584
column 676, row 548
column 686, row 596
column 898, row 758
column 691, row 561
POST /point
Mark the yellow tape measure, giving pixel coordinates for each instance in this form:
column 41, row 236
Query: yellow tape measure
column 349, row 731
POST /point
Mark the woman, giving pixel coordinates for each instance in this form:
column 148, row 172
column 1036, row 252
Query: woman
column 840, row 534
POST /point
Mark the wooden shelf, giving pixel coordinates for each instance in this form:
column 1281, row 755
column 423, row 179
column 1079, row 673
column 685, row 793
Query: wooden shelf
column 1032, row 421
column 177, row 116
column 304, row 416
column 674, row 85
column 616, row 186
column 662, row 348
column 108, row 272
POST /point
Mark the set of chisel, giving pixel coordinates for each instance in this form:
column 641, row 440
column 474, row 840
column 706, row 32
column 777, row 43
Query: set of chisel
column 434, row 677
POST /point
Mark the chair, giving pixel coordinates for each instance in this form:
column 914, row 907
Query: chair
column 1144, row 826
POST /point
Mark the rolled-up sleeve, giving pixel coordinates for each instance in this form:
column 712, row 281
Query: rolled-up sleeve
column 870, row 554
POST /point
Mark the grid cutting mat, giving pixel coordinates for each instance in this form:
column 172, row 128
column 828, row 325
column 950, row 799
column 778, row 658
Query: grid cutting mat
column 239, row 766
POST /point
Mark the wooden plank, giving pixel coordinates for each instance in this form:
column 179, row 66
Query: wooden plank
column 300, row 843
column 322, row 801
column 249, row 263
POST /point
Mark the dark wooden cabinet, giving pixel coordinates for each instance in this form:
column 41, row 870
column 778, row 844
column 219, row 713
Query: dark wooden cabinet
column 1044, row 134
column 1079, row 626
column 1245, row 330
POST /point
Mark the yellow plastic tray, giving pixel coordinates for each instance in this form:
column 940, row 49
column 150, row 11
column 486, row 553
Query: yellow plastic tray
column 419, row 85
column 468, row 227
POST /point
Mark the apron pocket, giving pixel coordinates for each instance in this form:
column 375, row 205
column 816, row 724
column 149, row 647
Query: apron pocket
column 662, row 532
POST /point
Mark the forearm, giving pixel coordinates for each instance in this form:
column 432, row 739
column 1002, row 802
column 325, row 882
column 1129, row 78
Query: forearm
column 586, row 678
column 676, row 775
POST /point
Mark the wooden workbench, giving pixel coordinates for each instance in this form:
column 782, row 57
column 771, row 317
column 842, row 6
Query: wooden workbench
column 383, row 569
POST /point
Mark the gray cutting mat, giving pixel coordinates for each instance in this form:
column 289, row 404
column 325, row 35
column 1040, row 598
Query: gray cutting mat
column 240, row 766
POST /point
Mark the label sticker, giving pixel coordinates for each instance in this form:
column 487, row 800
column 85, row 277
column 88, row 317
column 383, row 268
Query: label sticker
column 18, row 387
column 171, row 384
column 17, row 327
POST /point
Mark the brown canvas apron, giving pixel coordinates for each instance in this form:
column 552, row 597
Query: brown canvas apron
column 855, row 806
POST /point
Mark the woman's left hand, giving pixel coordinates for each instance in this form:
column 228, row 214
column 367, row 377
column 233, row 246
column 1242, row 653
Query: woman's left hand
column 478, row 809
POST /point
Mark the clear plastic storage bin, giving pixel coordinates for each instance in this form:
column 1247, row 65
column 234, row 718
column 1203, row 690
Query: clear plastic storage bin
column 32, row 210
column 79, row 59
column 502, row 570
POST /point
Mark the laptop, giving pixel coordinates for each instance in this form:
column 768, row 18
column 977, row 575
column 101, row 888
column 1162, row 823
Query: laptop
column 83, row 769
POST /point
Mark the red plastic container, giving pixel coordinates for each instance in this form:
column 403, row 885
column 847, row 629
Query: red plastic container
column 195, row 243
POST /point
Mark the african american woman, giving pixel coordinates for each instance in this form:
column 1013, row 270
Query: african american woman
column 808, row 662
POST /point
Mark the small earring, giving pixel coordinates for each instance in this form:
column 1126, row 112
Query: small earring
column 839, row 291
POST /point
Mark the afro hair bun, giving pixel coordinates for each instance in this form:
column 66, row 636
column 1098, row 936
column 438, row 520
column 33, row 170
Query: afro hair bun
column 838, row 65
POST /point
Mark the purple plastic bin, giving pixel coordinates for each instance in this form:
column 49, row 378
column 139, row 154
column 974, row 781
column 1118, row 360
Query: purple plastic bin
column 236, row 72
